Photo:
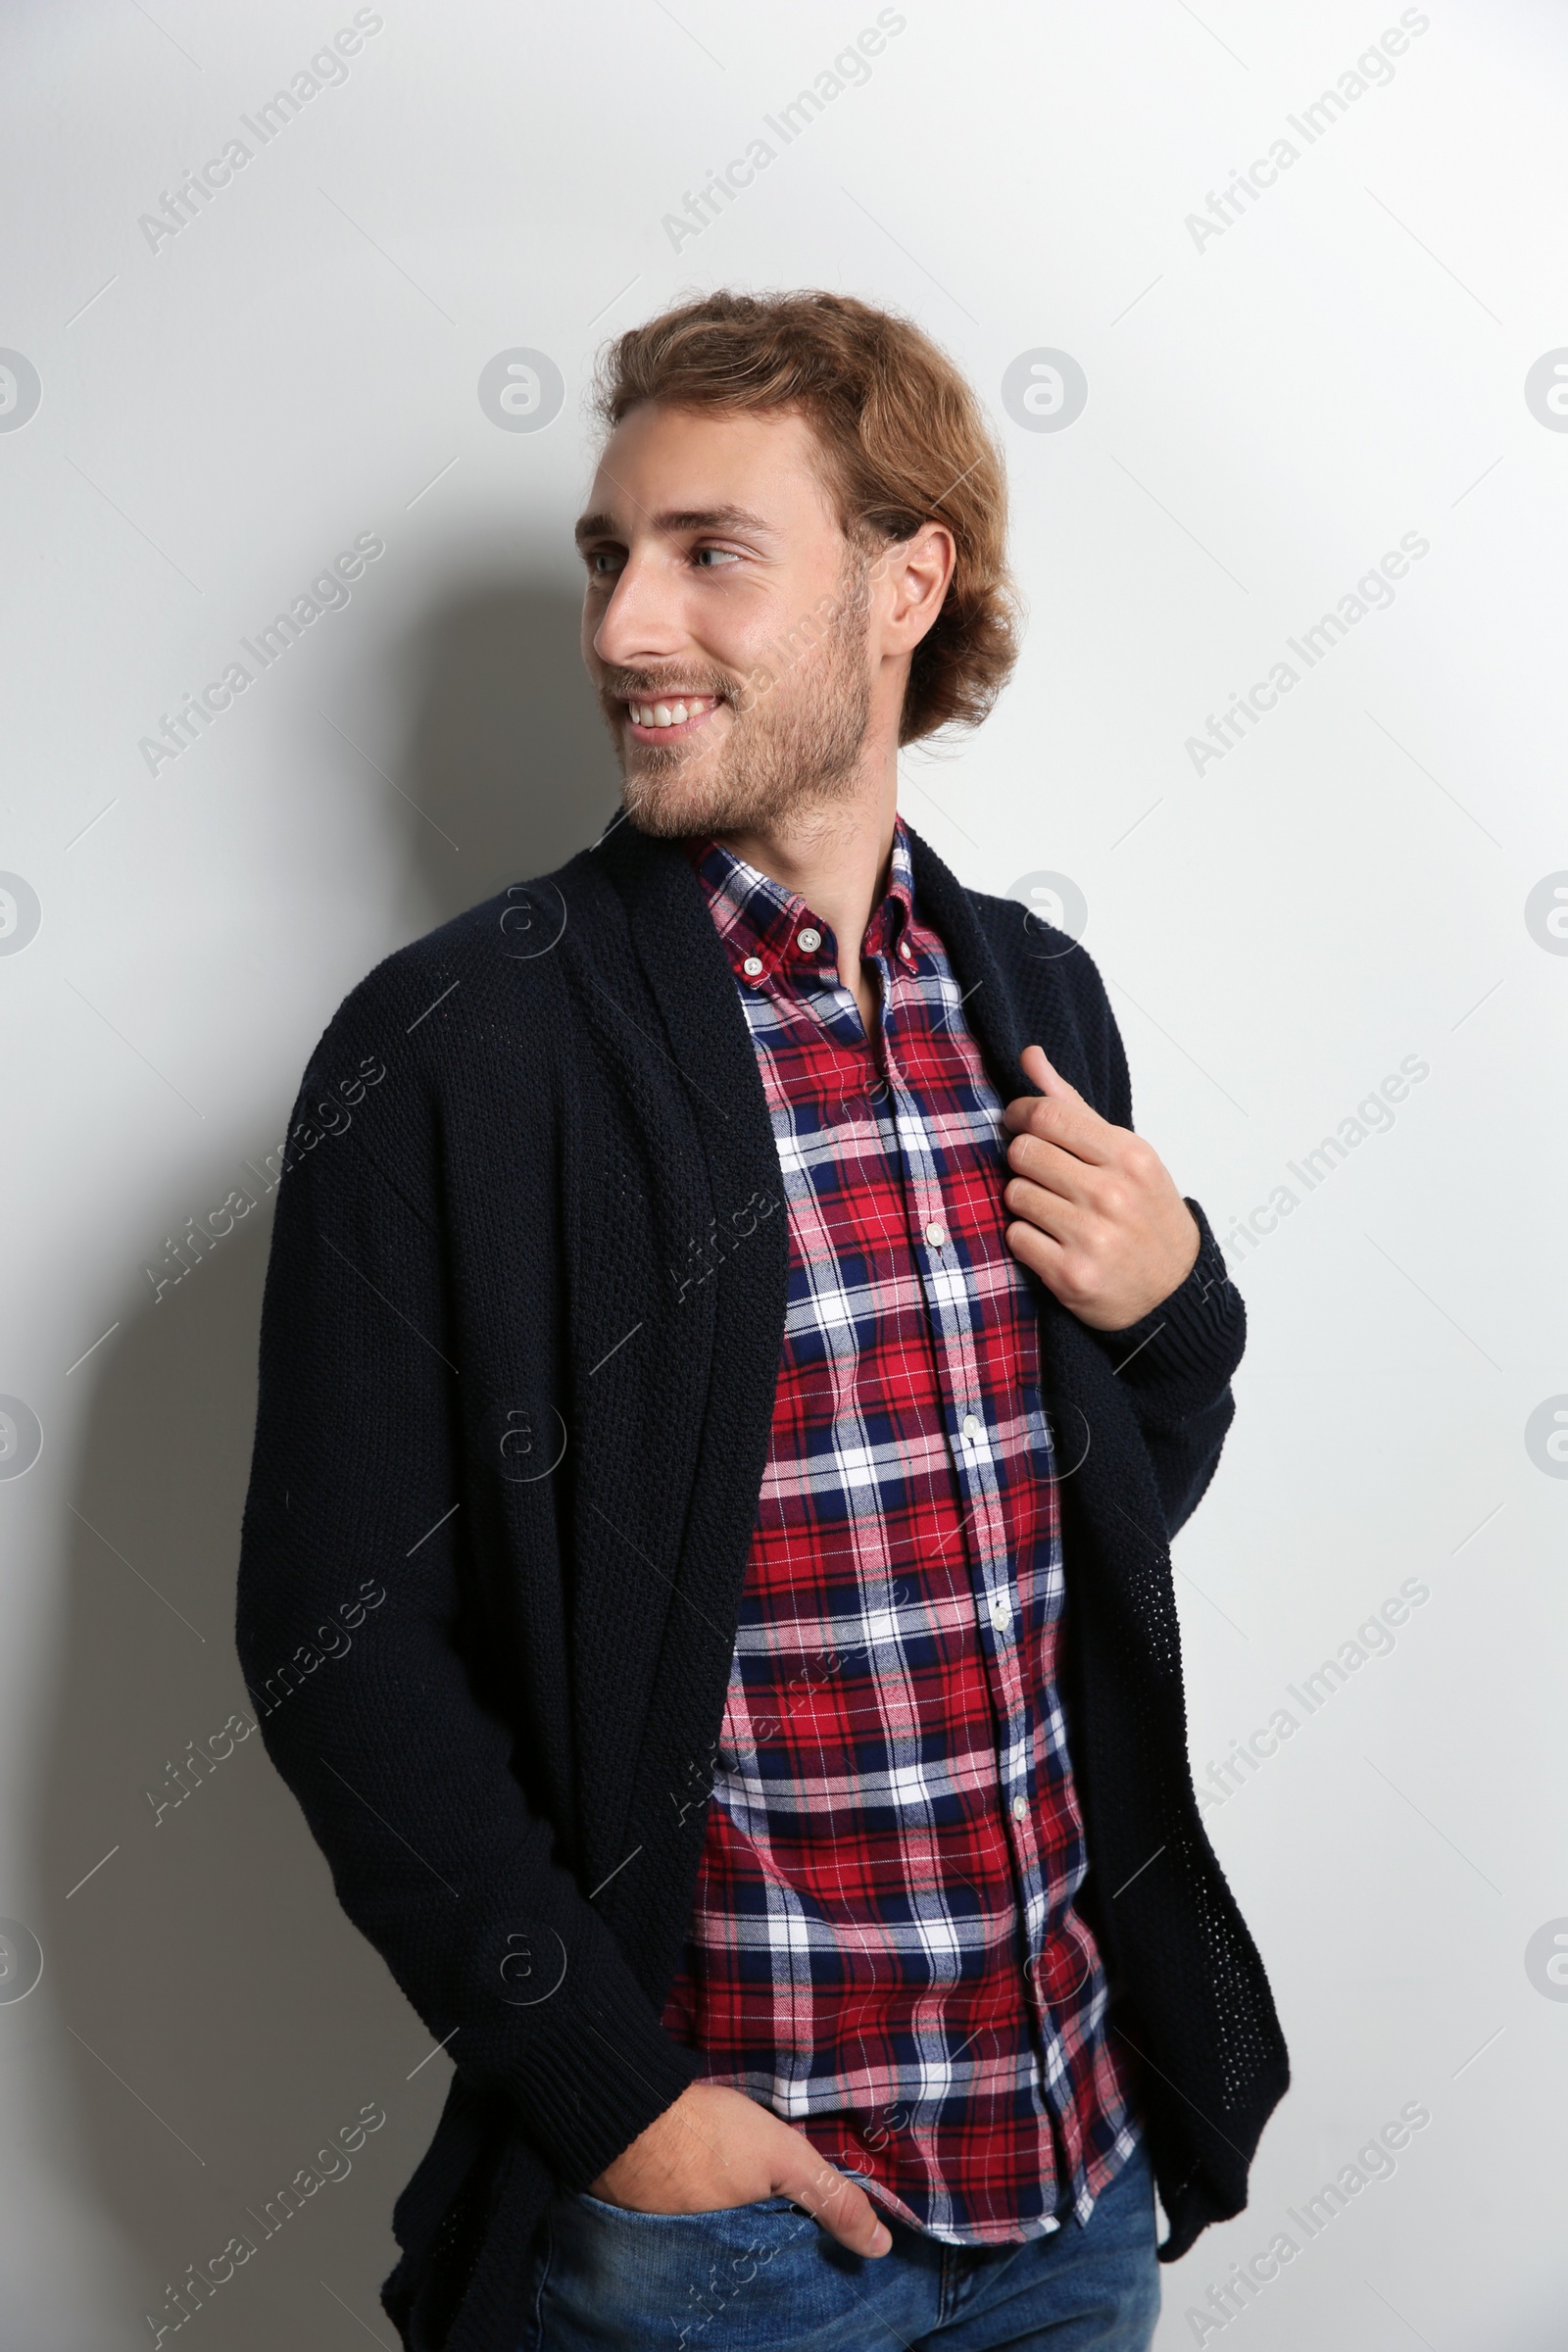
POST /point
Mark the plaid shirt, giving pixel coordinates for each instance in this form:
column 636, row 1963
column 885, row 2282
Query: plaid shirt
column 884, row 1948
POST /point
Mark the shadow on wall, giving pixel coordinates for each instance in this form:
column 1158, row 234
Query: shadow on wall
column 231, row 2037
column 508, row 761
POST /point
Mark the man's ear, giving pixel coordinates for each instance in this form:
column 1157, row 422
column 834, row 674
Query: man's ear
column 920, row 571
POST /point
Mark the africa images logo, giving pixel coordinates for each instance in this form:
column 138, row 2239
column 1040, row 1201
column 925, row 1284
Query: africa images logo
column 21, row 390
column 1044, row 390
column 1545, row 391
column 1546, row 1959
column 20, row 1960
column 20, row 913
column 522, row 390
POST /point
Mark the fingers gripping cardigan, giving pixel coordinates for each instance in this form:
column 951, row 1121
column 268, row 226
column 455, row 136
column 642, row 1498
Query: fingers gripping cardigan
column 489, row 1385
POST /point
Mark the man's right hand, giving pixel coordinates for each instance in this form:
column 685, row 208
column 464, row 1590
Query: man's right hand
column 717, row 2147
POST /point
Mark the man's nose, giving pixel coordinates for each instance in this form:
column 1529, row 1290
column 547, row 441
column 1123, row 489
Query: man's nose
column 642, row 621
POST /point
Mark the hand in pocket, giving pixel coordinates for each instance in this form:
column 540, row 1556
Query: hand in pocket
column 717, row 2148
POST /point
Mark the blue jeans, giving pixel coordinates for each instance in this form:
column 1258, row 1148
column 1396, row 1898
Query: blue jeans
column 765, row 2277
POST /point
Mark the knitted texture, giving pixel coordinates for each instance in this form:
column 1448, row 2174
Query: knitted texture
column 490, row 1389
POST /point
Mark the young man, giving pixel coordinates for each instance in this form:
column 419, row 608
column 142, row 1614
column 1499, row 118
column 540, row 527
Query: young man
column 721, row 1323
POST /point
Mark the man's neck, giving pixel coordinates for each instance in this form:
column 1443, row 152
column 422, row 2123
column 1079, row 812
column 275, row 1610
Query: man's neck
column 836, row 858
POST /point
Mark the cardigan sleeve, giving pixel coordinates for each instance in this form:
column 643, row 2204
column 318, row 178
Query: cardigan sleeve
column 350, row 1602
column 1176, row 1362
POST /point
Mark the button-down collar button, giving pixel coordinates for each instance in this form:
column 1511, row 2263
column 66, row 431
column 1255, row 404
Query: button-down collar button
column 809, row 939
column 752, row 966
column 906, row 951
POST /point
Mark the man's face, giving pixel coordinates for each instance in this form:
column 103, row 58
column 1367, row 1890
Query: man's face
column 725, row 623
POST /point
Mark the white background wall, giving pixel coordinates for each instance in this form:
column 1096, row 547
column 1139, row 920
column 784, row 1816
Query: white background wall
column 1269, row 409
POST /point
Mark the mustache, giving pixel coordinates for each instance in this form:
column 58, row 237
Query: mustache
column 652, row 686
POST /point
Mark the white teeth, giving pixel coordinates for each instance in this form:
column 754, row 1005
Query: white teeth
column 669, row 714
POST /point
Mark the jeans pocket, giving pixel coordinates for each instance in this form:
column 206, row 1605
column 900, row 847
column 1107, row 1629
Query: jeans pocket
column 707, row 2213
column 733, row 2278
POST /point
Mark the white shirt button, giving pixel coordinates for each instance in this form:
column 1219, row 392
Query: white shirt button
column 906, row 951
column 1001, row 1612
column 936, row 1235
column 1020, row 1806
column 810, row 940
column 752, row 966
column 973, row 1427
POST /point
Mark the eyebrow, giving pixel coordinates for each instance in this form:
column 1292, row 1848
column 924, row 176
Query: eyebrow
column 676, row 521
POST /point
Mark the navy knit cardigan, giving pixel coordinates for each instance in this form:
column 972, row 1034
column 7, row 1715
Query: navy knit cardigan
column 521, row 1334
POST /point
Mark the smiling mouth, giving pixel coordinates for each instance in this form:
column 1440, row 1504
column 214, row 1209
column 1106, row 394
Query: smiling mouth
column 671, row 715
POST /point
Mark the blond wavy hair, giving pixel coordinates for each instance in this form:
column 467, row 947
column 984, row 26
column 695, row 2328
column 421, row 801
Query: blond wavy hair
column 903, row 442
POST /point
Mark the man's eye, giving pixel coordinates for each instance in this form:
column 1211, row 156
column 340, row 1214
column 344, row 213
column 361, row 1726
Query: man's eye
column 716, row 558
column 601, row 563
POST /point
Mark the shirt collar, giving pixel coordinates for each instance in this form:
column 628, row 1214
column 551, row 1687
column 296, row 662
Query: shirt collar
column 762, row 924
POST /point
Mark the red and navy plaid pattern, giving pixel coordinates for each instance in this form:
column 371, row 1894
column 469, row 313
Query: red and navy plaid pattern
column 884, row 1948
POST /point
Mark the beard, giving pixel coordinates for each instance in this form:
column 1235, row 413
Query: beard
column 791, row 744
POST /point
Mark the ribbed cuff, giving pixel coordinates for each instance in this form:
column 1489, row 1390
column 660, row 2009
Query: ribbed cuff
column 1181, row 1355
column 596, row 2076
